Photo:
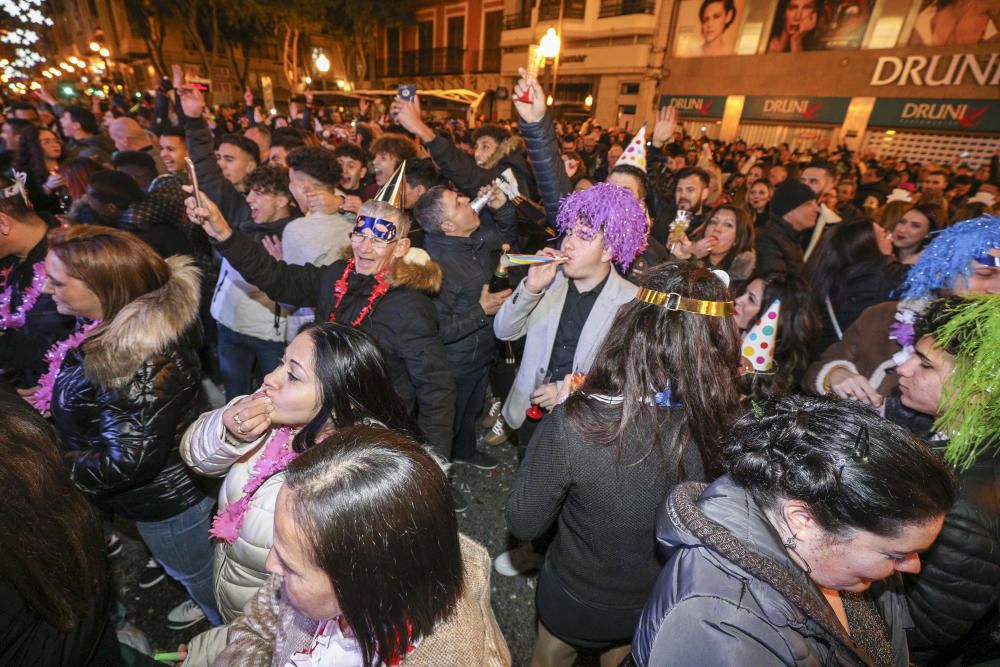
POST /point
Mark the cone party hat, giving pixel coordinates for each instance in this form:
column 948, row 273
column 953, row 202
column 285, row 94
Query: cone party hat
column 758, row 343
column 392, row 191
column 635, row 154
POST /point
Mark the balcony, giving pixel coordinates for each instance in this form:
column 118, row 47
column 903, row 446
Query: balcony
column 424, row 62
column 611, row 8
column 517, row 21
column 548, row 10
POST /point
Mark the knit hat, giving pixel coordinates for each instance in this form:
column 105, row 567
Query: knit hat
column 635, row 154
column 789, row 196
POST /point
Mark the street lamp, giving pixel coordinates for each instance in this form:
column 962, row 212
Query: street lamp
column 322, row 63
column 548, row 47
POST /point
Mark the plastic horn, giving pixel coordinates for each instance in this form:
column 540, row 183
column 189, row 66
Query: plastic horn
column 534, row 66
column 528, row 260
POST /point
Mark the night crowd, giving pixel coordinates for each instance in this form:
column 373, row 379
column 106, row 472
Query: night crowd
column 753, row 390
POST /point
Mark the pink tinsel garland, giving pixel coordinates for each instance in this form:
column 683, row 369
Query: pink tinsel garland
column 41, row 400
column 275, row 458
column 16, row 319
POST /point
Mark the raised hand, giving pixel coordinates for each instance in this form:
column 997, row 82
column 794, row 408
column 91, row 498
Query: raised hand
column 408, row 115
column 192, row 101
column 207, row 216
column 533, row 111
column 666, row 123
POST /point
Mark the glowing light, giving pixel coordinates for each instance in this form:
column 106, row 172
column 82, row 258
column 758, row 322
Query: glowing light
column 589, row 101
column 548, row 101
column 95, row 47
column 104, row 53
column 549, row 46
column 322, row 63
column 307, row 80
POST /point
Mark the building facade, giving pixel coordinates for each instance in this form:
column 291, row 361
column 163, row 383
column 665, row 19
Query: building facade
column 912, row 78
column 79, row 23
column 610, row 59
column 450, row 45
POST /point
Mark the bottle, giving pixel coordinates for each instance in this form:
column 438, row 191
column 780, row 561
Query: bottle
column 500, row 280
column 479, row 203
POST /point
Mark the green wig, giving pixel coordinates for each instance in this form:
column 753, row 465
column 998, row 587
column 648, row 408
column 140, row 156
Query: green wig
column 969, row 328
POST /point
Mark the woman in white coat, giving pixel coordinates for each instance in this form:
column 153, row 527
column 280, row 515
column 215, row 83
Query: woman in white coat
column 332, row 376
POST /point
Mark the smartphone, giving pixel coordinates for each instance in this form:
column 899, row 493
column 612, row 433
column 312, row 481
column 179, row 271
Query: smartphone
column 193, row 179
column 406, row 92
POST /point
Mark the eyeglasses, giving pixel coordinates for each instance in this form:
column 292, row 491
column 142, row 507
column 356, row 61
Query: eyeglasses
column 361, row 237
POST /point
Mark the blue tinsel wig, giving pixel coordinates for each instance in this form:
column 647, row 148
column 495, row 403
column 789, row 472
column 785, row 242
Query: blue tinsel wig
column 949, row 255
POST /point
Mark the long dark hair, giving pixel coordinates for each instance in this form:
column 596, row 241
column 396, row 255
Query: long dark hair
column 799, row 325
column 744, row 232
column 355, row 384
column 856, row 470
column 55, row 554
column 846, row 244
column 380, row 517
column 30, row 155
column 650, row 348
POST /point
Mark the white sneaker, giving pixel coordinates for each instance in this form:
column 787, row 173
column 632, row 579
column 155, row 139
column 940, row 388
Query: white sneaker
column 491, row 414
column 517, row 561
column 499, row 434
column 184, row 615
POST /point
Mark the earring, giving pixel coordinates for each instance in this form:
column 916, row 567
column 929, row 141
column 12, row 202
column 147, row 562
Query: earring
column 790, row 543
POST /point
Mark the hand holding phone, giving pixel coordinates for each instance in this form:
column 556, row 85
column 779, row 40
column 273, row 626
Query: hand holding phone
column 193, row 179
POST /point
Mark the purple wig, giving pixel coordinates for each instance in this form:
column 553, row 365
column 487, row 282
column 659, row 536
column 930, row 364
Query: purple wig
column 610, row 209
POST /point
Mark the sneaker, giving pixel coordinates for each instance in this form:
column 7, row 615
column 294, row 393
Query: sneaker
column 461, row 502
column 491, row 415
column 184, row 615
column 479, row 460
column 152, row 574
column 519, row 560
column 499, row 434
column 114, row 544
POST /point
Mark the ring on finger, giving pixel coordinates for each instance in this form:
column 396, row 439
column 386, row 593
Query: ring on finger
column 237, row 419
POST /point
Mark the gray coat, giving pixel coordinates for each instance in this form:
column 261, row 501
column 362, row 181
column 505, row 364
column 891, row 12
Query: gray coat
column 537, row 317
column 730, row 595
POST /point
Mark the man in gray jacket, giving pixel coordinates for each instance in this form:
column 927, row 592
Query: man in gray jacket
column 564, row 307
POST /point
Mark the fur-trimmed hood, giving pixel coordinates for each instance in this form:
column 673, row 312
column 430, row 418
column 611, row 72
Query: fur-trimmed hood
column 415, row 269
column 148, row 325
column 509, row 145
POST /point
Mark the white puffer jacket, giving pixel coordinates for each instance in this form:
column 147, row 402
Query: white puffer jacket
column 239, row 567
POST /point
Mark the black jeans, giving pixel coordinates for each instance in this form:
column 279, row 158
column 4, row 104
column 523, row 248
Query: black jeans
column 470, row 394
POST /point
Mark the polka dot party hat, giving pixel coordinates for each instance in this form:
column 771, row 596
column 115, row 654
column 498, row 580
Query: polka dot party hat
column 635, row 154
column 758, row 343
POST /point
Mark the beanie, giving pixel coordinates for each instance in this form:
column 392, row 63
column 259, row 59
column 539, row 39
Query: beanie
column 789, row 195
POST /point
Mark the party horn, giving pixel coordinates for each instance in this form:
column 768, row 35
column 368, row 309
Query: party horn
column 528, row 260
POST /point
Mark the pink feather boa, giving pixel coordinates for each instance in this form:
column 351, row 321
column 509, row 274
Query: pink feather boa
column 276, row 456
column 41, row 400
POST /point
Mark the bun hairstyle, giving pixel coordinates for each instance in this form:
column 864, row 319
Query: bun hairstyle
column 856, row 470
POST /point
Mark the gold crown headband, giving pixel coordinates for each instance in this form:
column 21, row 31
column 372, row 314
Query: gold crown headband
column 674, row 301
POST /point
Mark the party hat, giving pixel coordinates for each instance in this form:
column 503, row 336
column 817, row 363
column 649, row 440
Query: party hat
column 635, row 154
column 392, row 191
column 758, row 343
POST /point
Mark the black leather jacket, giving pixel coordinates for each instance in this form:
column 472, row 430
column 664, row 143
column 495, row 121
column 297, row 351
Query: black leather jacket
column 954, row 600
column 120, row 435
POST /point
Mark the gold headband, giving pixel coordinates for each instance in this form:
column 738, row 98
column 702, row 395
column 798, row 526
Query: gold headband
column 674, row 301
